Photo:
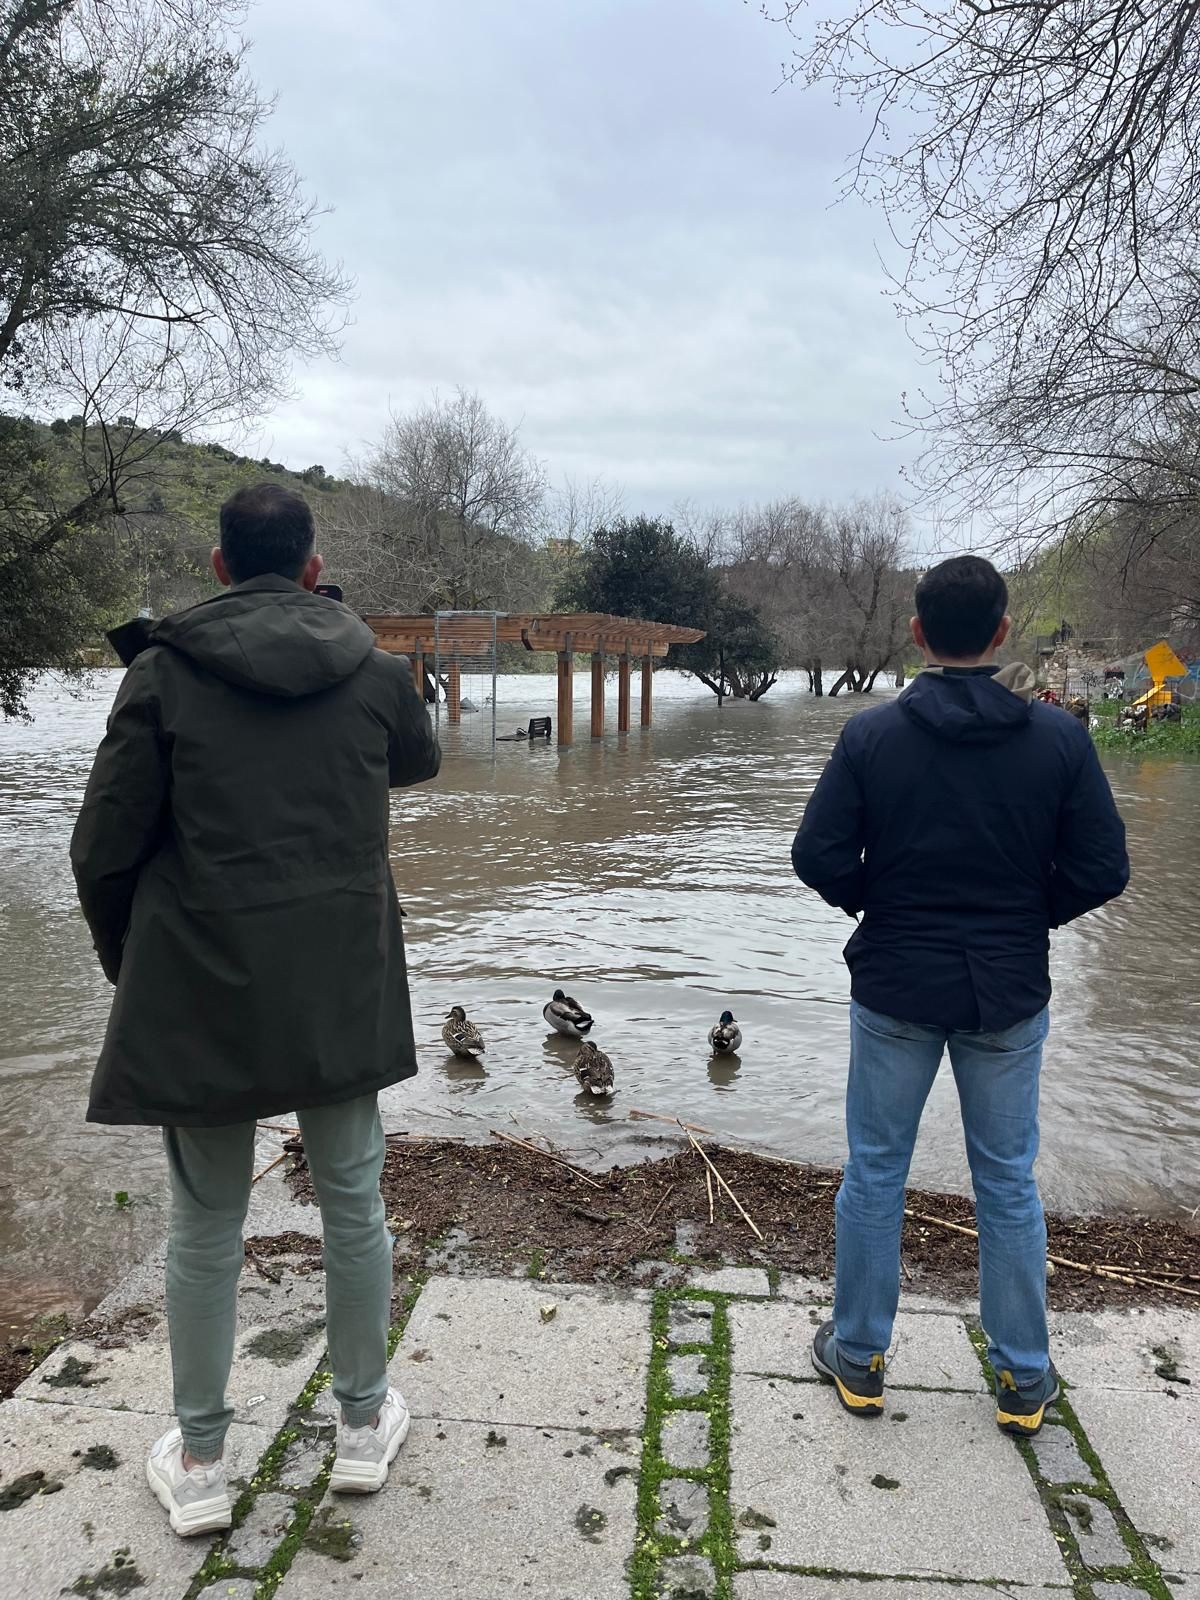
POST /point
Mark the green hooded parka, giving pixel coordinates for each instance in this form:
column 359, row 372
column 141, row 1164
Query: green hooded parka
column 231, row 857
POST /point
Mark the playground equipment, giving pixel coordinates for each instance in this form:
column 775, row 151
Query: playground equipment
column 1161, row 663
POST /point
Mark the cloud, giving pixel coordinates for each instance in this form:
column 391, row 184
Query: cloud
column 603, row 219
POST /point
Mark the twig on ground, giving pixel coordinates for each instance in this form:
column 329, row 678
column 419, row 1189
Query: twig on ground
column 558, row 1161
column 907, row 1269
column 1124, row 1275
column 658, row 1205
column 264, row 1269
column 270, row 1167
column 703, row 1154
column 428, row 1138
column 708, row 1183
column 782, row 1161
column 653, row 1116
column 277, row 1127
column 588, row 1216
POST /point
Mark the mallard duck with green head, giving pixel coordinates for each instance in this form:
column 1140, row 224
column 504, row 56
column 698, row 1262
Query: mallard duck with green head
column 726, row 1038
column 567, row 1016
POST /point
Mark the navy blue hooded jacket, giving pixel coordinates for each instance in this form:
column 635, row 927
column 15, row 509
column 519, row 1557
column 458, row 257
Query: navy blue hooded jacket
column 964, row 820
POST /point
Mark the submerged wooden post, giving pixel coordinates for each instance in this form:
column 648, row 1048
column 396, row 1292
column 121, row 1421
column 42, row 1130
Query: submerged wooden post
column 454, row 693
column 566, row 694
column 647, row 690
column 623, row 693
column 597, row 694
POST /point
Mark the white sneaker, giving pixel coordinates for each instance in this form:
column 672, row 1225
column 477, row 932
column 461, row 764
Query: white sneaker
column 364, row 1454
column 198, row 1501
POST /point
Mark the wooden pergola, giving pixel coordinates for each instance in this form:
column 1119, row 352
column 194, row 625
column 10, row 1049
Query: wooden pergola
column 465, row 635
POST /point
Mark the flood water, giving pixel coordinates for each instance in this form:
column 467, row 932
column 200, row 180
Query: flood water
column 649, row 876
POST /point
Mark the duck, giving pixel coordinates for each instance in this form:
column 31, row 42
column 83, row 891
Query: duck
column 726, row 1037
column 567, row 1016
column 594, row 1070
column 461, row 1036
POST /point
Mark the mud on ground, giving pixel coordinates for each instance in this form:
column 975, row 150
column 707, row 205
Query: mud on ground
column 502, row 1207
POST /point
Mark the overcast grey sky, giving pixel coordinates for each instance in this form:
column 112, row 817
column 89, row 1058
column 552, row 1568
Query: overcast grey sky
column 598, row 214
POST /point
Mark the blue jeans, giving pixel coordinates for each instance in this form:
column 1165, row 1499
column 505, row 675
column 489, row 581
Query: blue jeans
column 892, row 1068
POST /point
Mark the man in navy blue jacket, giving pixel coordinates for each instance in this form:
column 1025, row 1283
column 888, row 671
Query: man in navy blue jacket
column 960, row 822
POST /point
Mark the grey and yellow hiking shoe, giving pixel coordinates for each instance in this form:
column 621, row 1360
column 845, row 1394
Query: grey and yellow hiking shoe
column 1021, row 1412
column 860, row 1389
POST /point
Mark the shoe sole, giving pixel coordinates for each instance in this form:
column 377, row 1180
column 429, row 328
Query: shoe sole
column 858, row 1405
column 1024, row 1424
column 214, row 1515
column 367, row 1477
column 1028, row 1426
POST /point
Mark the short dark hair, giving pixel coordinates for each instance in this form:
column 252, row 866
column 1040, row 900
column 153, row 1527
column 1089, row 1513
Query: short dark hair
column 266, row 528
column 961, row 603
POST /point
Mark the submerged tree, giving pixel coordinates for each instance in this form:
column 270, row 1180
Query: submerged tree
column 157, row 270
column 643, row 567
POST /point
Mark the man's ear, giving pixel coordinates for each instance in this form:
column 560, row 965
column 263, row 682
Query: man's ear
column 219, row 567
column 1002, row 632
column 918, row 633
column 311, row 576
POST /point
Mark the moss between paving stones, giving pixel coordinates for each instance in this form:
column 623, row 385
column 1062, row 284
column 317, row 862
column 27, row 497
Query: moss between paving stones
column 327, row 1534
column 718, row 1544
column 651, row 1548
column 1142, row 1571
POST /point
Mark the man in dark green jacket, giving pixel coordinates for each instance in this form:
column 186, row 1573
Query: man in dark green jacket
column 232, row 863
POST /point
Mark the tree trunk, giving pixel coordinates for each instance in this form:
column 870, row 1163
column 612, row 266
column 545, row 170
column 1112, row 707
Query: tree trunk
column 846, row 678
column 818, row 684
column 710, row 683
column 870, row 683
column 767, row 681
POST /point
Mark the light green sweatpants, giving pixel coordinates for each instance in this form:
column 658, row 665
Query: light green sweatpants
column 210, row 1171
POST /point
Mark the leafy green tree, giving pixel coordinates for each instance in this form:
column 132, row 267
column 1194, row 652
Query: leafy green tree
column 641, row 567
column 739, row 657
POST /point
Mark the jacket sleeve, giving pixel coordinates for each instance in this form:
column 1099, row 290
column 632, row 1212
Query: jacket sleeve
column 121, row 822
column 1090, row 861
column 827, row 853
column 414, row 755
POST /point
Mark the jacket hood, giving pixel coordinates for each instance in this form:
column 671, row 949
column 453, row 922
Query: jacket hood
column 271, row 636
column 971, row 706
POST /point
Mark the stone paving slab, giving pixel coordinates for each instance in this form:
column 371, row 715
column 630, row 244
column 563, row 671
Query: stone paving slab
column 1149, row 1445
column 687, row 1578
column 804, row 1291
column 932, row 1352
column 732, row 1280
column 51, row 1542
column 462, row 1518
column 685, row 1438
column 942, row 1495
column 1123, row 1349
column 792, row 1586
column 1058, row 1457
column 281, row 1334
column 481, row 1348
column 1096, row 1532
column 690, row 1322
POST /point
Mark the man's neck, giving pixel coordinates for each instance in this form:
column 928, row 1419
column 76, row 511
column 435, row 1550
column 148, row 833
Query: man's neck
column 972, row 665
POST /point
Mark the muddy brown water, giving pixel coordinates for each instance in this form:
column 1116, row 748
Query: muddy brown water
column 650, row 876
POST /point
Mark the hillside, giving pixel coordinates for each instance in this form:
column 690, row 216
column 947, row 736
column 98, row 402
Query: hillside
column 172, row 500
